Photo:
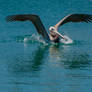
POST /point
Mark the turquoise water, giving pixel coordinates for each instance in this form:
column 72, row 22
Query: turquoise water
column 34, row 66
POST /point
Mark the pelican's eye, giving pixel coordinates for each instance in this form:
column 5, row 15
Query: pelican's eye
column 51, row 28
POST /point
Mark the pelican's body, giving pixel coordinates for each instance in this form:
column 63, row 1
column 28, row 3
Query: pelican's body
column 54, row 38
column 54, row 35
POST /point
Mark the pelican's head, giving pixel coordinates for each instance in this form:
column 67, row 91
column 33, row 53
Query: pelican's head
column 53, row 31
column 52, row 28
column 53, row 34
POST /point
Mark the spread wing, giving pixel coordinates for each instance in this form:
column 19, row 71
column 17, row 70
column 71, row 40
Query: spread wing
column 34, row 19
column 75, row 18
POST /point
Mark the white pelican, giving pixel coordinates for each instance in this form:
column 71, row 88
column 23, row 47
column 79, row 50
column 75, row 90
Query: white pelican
column 54, row 35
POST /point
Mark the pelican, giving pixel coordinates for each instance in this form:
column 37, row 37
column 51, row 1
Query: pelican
column 54, row 35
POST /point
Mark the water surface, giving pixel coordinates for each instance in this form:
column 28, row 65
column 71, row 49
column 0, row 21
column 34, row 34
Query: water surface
column 33, row 65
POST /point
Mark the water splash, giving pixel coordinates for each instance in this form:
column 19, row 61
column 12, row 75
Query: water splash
column 68, row 41
column 34, row 38
column 37, row 38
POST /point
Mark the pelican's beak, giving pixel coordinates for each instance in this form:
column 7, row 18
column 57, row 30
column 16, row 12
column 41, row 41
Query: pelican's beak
column 60, row 34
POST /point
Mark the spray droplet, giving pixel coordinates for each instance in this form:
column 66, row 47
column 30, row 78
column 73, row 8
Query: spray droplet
column 25, row 39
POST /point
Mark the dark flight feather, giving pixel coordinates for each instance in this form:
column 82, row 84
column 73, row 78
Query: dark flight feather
column 34, row 19
column 75, row 18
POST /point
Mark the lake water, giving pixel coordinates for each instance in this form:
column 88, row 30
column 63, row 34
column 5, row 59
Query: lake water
column 28, row 64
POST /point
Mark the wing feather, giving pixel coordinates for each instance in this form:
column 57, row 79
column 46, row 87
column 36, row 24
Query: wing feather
column 75, row 18
column 35, row 19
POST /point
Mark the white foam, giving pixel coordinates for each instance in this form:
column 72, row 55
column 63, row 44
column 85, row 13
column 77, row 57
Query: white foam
column 26, row 40
column 68, row 41
column 34, row 38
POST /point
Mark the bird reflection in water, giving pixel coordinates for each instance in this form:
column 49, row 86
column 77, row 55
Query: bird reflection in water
column 53, row 54
column 68, row 59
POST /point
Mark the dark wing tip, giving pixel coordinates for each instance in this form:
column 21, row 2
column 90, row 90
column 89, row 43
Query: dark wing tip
column 10, row 18
column 16, row 18
column 87, row 18
column 83, row 17
column 21, row 17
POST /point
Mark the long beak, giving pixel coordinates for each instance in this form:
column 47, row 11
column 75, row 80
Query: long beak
column 59, row 34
